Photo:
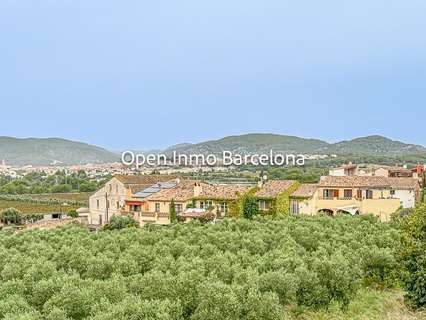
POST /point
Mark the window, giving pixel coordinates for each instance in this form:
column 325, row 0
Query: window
column 110, row 188
column 135, row 208
column 205, row 204
column 368, row 194
column 224, row 207
column 348, row 193
column 117, row 205
column 178, row 207
column 157, row 207
column 263, row 205
column 359, row 194
column 330, row 193
column 294, row 207
column 97, row 204
column 392, row 192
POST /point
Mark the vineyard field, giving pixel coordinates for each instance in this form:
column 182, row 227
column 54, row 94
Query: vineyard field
column 28, row 207
column 82, row 196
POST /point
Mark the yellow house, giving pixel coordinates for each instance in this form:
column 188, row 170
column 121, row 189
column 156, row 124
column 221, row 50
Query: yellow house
column 273, row 196
column 356, row 195
column 157, row 209
column 189, row 194
column 303, row 200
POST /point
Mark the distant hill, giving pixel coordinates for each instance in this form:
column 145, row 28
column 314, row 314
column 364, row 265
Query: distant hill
column 32, row 151
column 375, row 145
column 261, row 143
column 60, row 151
column 255, row 143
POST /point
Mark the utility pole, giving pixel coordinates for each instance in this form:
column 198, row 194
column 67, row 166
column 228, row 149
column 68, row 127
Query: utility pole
column 106, row 207
column 424, row 185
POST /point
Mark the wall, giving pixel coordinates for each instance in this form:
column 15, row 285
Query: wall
column 381, row 172
column 382, row 208
column 116, row 193
column 407, row 198
column 337, row 172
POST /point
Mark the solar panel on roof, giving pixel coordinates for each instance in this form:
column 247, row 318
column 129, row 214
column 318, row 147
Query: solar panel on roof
column 154, row 188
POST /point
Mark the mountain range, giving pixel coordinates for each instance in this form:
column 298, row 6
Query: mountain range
column 35, row 151
column 45, row 151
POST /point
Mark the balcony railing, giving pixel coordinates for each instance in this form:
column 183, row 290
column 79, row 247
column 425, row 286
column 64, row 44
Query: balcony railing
column 354, row 198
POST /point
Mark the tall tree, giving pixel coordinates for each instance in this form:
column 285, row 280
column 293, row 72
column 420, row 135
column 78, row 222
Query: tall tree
column 173, row 215
column 250, row 207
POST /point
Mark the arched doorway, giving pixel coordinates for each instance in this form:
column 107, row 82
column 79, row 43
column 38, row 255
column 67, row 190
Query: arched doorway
column 327, row 212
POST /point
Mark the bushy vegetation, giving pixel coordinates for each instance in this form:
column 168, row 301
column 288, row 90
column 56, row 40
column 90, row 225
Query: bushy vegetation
column 237, row 269
column 120, row 222
column 16, row 217
column 40, row 182
column 413, row 257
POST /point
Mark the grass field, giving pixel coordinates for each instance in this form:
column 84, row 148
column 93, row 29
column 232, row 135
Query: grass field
column 368, row 305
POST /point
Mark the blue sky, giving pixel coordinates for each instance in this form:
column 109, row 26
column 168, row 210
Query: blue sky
column 147, row 74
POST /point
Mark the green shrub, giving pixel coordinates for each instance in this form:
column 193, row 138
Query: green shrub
column 72, row 213
column 11, row 216
column 121, row 222
column 236, row 269
column 413, row 257
column 250, row 207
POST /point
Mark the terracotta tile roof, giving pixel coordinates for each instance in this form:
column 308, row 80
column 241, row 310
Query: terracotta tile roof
column 368, row 181
column 404, row 183
column 272, row 188
column 305, row 190
column 144, row 179
column 354, row 182
column 137, row 183
column 347, row 166
column 394, row 169
column 227, row 192
column 184, row 191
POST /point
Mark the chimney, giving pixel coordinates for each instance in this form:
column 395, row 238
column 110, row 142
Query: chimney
column 197, row 189
column 262, row 180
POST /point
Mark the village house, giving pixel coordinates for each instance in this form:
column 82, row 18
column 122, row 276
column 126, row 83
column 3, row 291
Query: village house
column 394, row 172
column 192, row 199
column 273, row 196
column 380, row 196
column 303, row 199
column 109, row 200
column 346, row 170
column 148, row 199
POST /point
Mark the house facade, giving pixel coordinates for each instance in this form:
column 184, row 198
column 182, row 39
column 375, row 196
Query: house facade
column 273, row 196
column 347, row 170
column 110, row 200
column 148, row 199
column 303, row 200
column 189, row 195
column 380, row 196
column 394, row 172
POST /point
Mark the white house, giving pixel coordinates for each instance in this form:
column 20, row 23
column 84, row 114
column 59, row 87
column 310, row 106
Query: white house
column 347, row 170
column 405, row 189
